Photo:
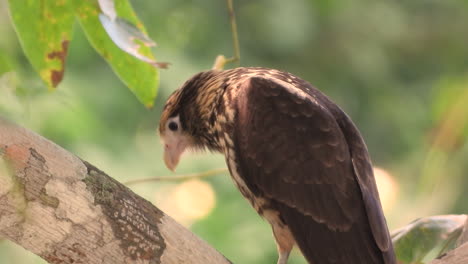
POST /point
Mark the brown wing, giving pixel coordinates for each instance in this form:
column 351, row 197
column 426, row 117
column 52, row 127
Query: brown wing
column 292, row 150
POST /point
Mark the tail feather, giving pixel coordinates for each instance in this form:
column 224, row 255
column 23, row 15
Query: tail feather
column 321, row 245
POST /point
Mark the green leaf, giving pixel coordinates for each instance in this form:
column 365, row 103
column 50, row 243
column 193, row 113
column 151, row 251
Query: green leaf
column 422, row 237
column 140, row 77
column 45, row 30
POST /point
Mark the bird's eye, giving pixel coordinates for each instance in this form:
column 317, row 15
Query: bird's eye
column 173, row 126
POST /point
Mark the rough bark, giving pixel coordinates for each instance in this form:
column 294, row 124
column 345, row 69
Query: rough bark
column 67, row 211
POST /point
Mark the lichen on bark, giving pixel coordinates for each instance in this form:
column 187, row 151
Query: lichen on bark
column 32, row 187
column 133, row 220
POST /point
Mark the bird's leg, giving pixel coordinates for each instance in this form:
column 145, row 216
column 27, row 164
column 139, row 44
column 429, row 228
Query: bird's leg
column 283, row 257
column 284, row 242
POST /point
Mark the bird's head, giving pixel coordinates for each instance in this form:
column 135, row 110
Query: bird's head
column 185, row 120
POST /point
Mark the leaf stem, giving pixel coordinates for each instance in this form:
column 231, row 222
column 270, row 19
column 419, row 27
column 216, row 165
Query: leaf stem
column 220, row 60
column 235, row 36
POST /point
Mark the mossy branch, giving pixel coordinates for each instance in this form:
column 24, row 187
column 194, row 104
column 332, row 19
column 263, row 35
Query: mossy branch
column 66, row 211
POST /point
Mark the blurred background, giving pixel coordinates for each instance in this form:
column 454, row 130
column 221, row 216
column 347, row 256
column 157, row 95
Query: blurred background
column 398, row 68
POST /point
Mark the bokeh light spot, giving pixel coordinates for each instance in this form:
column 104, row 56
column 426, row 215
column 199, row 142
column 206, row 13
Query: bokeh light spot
column 194, row 198
column 388, row 188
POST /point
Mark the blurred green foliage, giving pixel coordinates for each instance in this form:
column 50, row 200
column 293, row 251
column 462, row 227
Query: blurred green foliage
column 398, row 68
column 427, row 238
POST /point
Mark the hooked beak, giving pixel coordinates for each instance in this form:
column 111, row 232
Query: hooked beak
column 172, row 153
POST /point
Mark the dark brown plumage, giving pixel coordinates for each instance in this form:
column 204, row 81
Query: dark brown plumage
column 293, row 153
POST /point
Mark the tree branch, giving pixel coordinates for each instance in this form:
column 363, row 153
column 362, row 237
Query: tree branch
column 68, row 211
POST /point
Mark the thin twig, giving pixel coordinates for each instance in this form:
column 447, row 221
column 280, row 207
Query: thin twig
column 235, row 36
column 220, row 60
column 182, row 177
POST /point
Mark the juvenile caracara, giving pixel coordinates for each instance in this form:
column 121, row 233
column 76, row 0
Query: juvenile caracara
column 293, row 153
